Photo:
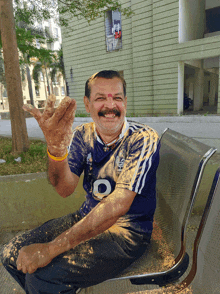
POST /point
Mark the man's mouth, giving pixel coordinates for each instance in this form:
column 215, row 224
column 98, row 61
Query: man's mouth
column 109, row 113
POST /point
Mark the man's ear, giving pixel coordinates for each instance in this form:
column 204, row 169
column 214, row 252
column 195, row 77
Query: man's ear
column 125, row 102
column 86, row 102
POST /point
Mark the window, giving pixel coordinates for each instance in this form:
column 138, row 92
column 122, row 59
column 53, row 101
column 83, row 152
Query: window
column 212, row 20
column 49, row 46
column 113, row 31
column 47, row 31
column 56, row 33
column 62, row 91
column 32, row 6
column 41, row 76
column 56, row 91
column 37, row 91
column 5, row 94
column 37, row 44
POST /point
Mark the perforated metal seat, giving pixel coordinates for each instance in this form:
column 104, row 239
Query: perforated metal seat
column 182, row 161
column 204, row 275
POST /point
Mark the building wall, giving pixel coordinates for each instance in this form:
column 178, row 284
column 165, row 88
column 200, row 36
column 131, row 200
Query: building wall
column 85, row 53
column 142, row 56
column 165, row 69
column 151, row 57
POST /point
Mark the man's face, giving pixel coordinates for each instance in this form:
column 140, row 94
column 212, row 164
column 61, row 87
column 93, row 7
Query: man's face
column 107, row 105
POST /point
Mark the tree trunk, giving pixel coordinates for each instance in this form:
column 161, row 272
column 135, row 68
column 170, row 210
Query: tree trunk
column 30, row 85
column 2, row 97
column 13, row 78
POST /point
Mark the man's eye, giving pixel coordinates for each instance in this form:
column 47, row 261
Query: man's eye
column 100, row 98
column 118, row 98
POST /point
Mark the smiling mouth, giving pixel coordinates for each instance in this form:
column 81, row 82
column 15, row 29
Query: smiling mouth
column 109, row 113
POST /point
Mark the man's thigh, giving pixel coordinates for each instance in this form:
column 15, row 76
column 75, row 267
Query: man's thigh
column 89, row 263
column 42, row 234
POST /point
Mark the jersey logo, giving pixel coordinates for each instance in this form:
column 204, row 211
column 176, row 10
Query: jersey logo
column 120, row 163
column 101, row 189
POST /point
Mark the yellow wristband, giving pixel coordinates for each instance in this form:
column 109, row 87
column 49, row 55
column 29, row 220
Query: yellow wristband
column 57, row 158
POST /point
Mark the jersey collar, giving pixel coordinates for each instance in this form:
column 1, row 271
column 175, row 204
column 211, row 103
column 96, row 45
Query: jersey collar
column 123, row 131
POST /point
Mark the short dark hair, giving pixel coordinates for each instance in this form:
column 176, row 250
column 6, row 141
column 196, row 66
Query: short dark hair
column 106, row 74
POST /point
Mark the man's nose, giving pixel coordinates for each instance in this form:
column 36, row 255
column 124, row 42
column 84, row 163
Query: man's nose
column 110, row 102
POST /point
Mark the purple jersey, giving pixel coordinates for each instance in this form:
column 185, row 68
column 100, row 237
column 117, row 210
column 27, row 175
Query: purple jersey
column 130, row 163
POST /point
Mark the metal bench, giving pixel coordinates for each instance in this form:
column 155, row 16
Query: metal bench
column 182, row 161
column 204, row 275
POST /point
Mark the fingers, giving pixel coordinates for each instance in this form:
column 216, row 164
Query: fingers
column 19, row 267
column 24, row 269
column 27, row 269
column 33, row 111
column 69, row 116
column 65, row 111
column 32, row 269
column 49, row 109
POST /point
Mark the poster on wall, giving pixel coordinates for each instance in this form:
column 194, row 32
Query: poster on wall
column 113, row 30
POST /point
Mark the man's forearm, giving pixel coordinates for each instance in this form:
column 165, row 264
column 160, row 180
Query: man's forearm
column 101, row 218
column 61, row 177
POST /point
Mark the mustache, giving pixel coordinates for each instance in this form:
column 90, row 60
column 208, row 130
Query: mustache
column 109, row 111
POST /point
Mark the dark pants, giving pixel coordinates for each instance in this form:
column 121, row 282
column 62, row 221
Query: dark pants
column 89, row 263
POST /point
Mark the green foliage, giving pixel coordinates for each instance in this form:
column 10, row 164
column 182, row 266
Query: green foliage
column 26, row 41
column 34, row 160
column 88, row 9
column 23, row 72
column 36, row 74
column 46, row 59
column 57, row 65
column 34, row 11
column 38, row 10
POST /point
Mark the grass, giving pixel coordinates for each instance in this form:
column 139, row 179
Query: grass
column 32, row 161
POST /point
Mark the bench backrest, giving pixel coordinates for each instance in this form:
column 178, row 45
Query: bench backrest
column 204, row 276
column 182, row 160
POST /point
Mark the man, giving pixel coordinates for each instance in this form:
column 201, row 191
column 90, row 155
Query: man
column 113, row 226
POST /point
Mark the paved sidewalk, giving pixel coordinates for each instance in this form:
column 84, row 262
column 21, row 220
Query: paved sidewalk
column 205, row 129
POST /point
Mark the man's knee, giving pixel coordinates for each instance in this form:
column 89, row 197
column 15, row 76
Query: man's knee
column 5, row 256
column 9, row 253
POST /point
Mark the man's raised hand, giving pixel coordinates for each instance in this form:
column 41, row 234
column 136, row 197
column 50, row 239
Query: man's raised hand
column 55, row 124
